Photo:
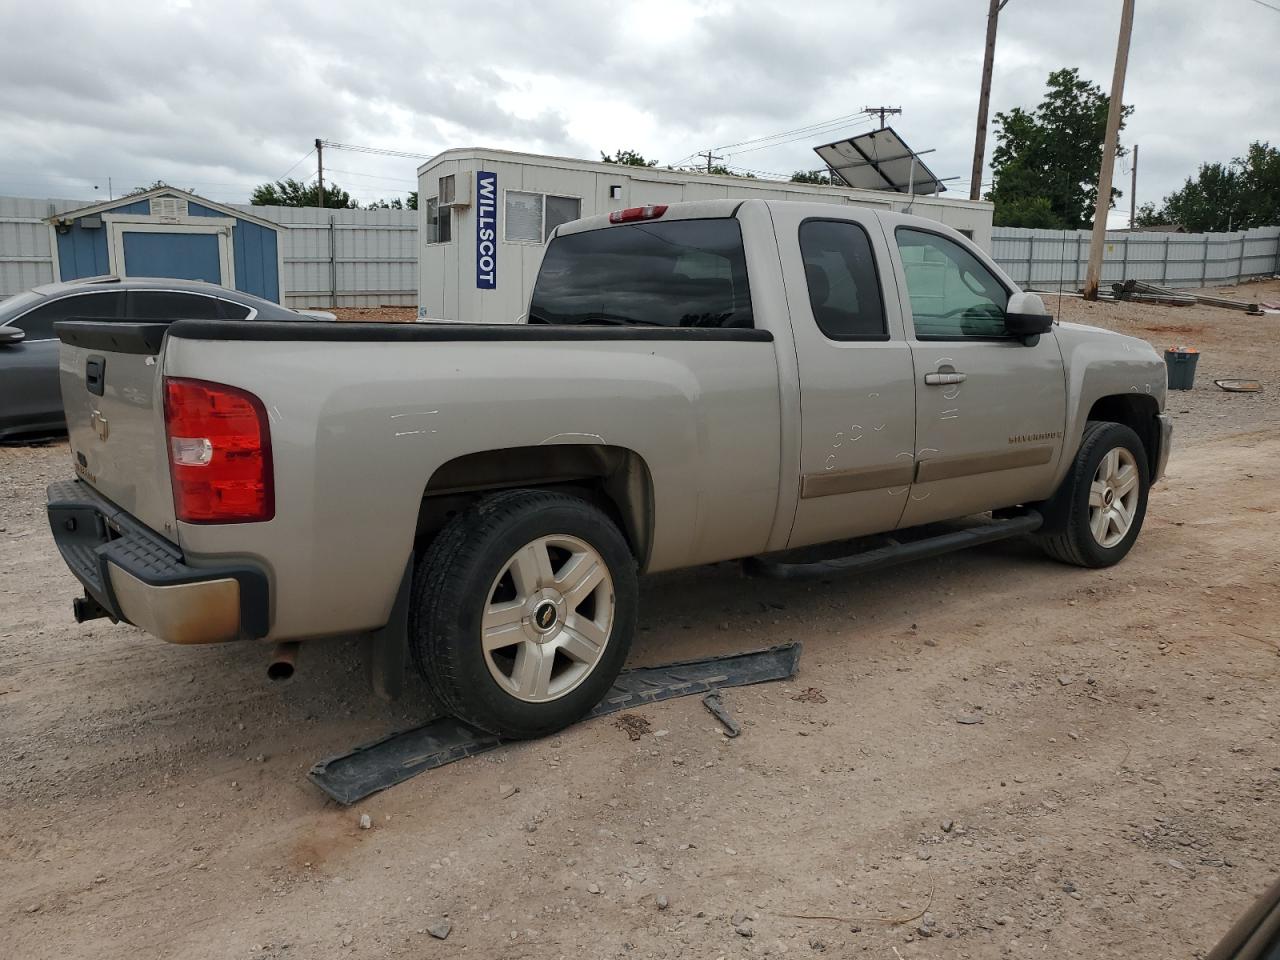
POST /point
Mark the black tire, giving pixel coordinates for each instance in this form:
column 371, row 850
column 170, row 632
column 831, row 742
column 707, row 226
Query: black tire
column 1067, row 536
column 451, row 589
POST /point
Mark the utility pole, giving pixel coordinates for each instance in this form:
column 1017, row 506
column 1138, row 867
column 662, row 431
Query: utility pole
column 883, row 111
column 709, row 157
column 984, row 100
column 1114, row 111
column 1133, row 189
column 320, row 168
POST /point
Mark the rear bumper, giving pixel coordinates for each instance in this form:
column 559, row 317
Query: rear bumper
column 135, row 575
column 1166, row 442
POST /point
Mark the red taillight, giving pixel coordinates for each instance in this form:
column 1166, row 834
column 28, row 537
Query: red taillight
column 651, row 212
column 219, row 453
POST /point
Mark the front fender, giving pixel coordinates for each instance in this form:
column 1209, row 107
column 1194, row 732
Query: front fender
column 1100, row 364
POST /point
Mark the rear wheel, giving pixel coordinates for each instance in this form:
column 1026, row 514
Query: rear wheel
column 523, row 612
column 1097, row 513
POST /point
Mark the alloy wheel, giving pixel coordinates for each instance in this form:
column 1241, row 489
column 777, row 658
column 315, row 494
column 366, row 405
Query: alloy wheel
column 547, row 618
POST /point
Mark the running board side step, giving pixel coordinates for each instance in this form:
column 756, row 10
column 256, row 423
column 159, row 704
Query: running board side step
column 896, row 552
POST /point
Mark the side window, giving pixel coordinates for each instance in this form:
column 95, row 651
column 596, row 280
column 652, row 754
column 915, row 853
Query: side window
column 233, row 311
column 844, row 288
column 171, row 305
column 530, row 217
column 38, row 324
column 439, row 222
column 561, row 210
column 953, row 296
column 523, row 221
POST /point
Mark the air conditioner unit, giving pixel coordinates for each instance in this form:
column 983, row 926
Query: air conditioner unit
column 455, row 193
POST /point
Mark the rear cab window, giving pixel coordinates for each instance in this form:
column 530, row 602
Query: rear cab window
column 676, row 273
column 844, row 286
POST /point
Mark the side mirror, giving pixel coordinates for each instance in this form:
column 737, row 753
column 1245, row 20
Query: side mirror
column 1026, row 316
column 11, row 335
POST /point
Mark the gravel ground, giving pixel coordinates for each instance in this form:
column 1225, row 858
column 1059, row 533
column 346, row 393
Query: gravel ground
column 1231, row 345
column 983, row 756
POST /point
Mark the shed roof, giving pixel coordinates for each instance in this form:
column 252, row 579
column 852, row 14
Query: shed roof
column 164, row 192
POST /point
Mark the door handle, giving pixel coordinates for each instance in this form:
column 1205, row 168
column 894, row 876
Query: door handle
column 943, row 379
column 95, row 371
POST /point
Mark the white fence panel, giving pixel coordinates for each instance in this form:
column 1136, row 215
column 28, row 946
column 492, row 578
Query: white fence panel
column 1053, row 259
column 347, row 258
column 366, row 258
column 25, row 258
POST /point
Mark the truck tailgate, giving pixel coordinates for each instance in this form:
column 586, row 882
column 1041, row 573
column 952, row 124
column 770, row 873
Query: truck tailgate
column 112, row 391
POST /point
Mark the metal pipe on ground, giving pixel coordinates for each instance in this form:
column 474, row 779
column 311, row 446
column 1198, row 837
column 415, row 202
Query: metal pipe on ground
column 283, row 661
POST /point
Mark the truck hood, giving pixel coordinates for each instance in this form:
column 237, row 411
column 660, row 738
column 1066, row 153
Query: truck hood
column 1080, row 331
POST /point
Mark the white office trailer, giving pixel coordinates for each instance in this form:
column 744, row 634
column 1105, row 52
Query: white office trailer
column 484, row 217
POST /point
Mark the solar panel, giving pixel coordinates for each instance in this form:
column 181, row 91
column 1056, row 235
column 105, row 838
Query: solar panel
column 879, row 160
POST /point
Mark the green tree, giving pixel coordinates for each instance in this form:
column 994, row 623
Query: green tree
column 1052, row 154
column 811, row 176
column 412, row 202
column 720, row 170
column 1034, row 212
column 1149, row 216
column 1234, row 196
column 628, row 158
column 156, row 185
column 295, row 193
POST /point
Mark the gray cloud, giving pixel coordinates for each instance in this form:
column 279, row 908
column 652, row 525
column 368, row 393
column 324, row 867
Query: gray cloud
column 219, row 97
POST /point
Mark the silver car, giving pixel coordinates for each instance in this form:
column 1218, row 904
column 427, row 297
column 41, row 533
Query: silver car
column 30, row 401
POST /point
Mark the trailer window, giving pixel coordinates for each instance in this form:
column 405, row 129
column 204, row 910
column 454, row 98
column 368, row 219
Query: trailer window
column 681, row 273
column 439, row 222
column 530, row 217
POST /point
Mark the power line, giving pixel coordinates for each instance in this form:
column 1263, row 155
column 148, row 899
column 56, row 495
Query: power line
column 295, row 166
column 709, row 157
column 787, row 133
column 371, row 176
column 379, row 151
column 828, row 129
column 1263, row 3
column 883, row 111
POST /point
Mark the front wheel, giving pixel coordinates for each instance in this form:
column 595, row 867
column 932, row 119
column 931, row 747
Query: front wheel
column 523, row 612
column 1097, row 513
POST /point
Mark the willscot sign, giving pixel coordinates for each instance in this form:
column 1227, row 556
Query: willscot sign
column 486, row 230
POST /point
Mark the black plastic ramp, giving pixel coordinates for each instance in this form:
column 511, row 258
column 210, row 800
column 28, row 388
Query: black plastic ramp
column 371, row 767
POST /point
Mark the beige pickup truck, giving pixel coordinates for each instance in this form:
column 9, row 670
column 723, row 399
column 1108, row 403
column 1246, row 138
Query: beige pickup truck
column 694, row 383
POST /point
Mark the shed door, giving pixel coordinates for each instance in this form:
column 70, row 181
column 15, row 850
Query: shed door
column 183, row 256
column 182, row 251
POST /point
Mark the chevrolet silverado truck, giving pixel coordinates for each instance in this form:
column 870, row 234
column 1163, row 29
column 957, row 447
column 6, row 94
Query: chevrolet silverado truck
column 694, row 383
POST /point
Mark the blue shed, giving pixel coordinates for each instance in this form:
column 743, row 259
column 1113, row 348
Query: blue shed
column 167, row 232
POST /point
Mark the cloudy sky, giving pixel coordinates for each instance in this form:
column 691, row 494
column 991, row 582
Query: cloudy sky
column 218, row 97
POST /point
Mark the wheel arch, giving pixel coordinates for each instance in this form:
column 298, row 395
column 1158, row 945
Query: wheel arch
column 1138, row 412
column 615, row 479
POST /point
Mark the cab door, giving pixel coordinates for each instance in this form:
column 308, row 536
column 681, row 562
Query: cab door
column 990, row 409
column 856, row 377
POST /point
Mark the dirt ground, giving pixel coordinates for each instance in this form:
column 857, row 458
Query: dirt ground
column 375, row 314
column 1011, row 757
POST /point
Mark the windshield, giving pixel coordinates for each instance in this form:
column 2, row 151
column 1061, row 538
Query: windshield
column 18, row 304
column 681, row 273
